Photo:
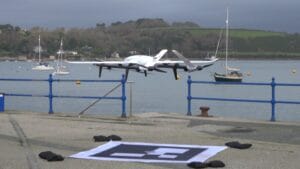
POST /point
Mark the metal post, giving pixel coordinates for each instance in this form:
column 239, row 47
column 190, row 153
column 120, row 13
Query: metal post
column 189, row 97
column 273, row 101
column 123, row 81
column 2, row 102
column 50, row 80
column 130, row 98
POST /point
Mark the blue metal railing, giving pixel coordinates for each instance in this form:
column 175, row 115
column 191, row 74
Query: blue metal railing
column 50, row 95
column 273, row 100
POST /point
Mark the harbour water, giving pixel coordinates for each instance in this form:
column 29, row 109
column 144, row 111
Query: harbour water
column 159, row 92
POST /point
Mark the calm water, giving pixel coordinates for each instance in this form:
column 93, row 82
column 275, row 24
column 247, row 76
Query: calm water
column 159, row 92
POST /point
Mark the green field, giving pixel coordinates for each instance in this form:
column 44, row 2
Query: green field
column 260, row 55
column 234, row 33
column 237, row 33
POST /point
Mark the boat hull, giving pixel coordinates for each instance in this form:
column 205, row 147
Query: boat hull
column 61, row 73
column 227, row 78
column 43, row 68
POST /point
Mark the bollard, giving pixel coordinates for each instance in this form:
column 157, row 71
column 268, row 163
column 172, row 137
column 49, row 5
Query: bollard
column 204, row 111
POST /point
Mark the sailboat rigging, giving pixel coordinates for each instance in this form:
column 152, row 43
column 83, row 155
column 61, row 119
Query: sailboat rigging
column 231, row 74
column 41, row 65
column 60, row 68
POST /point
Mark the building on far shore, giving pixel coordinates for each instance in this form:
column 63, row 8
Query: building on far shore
column 22, row 58
column 51, row 57
column 115, row 55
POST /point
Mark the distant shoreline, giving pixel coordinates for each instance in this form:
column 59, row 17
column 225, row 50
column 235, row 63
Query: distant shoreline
column 221, row 56
column 221, row 59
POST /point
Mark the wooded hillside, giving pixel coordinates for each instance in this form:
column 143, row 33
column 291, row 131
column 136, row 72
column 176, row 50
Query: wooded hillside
column 144, row 34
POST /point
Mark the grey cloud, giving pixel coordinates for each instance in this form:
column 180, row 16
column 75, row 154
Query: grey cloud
column 262, row 14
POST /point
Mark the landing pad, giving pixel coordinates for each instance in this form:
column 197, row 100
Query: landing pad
column 150, row 152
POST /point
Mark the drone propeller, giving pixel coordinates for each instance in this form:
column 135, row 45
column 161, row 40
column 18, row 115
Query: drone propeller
column 126, row 74
column 100, row 71
column 160, row 70
column 154, row 68
column 175, row 72
column 187, row 62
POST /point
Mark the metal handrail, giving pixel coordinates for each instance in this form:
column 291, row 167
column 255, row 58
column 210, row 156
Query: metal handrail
column 50, row 95
column 273, row 100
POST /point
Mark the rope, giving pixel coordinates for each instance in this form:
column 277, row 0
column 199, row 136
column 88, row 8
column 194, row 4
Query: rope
column 83, row 111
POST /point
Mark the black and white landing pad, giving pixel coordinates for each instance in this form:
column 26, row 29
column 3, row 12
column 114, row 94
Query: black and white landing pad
column 150, row 153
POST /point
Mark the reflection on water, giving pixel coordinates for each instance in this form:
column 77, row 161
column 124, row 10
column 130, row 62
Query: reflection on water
column 159, row 92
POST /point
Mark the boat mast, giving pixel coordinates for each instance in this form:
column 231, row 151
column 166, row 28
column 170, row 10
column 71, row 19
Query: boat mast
column 218, row 44
column 39, row 49
column 226, row 52
column 61, row 50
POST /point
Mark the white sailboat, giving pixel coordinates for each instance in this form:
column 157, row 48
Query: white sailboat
column 41, row 65
column 231, row 74
column 60, row 68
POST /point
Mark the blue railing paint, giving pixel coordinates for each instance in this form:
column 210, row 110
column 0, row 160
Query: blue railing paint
column 123, row 81
column 50, row 95
column 89, row 81
column 273, row 100
column 26, row 95
column 86, row 97
column 231, row 100
column 189, row 97
column 24, row 80
column 230, row 83
column 288, row 102
column 50, row 80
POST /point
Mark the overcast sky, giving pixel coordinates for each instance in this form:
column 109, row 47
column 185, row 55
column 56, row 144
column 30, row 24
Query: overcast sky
column 277, row 15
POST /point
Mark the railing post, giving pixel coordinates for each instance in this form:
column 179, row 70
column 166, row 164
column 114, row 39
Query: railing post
column 50, row 80
column 273, row 101
column 189, row 97
column 123, row 81
column 130, row 98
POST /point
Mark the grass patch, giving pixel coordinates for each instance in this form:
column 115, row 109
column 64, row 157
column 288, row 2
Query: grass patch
column 237, row 33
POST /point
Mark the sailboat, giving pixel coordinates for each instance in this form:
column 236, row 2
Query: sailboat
column 231, row 74
column 60, row 68
column 41, row 65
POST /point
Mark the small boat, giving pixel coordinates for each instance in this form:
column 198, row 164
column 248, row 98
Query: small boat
column 231, row 74
column 61, row 72
column 60, row 68
column 41, row 65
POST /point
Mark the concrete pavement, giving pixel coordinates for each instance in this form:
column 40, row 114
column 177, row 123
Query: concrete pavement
column 23, row 135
